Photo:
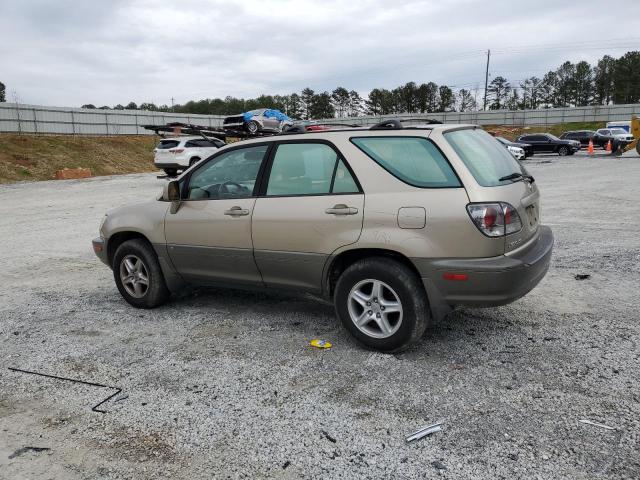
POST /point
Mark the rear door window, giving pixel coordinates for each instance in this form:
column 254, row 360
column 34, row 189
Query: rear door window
column 414, row 160
column 308, row 169
column 167, row 144
column 486, row 160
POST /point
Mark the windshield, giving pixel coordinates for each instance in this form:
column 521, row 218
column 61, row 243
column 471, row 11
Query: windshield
column 618, row 131
column 486, row 159
column 552, row 137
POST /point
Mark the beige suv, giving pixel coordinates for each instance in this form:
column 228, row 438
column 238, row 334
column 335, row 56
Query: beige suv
column 396, row 224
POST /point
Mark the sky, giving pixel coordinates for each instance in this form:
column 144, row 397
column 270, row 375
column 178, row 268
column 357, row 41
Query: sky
column 105, row 52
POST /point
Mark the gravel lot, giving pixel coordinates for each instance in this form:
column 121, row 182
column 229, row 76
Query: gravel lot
column 223, row 384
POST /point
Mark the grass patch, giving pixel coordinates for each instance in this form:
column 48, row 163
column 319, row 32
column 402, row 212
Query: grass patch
column 37, row 157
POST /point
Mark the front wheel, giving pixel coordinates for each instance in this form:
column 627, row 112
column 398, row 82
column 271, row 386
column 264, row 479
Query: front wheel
column 138, row 276
column 172, row 172
column 563, row 151
column 252, row 127
column 382, row 303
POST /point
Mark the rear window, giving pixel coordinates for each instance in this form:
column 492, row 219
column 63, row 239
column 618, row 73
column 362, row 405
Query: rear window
column 483, row 156
column 166, row 144
column 414, row 160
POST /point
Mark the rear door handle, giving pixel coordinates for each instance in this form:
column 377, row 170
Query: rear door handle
column 341, row 209
column 237, row 212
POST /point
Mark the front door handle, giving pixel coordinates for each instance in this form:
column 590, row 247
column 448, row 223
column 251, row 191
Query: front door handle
column 341, row 209
column 237, row 212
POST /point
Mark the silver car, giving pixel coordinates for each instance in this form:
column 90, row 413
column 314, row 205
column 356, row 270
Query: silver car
column 255, row 121
column 396, row 226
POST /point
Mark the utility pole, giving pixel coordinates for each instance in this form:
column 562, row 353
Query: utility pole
column 172, row 109
column 486, row 80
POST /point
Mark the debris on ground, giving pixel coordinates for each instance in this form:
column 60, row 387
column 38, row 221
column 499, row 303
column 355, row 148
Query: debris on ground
column 329, row 437
column 438, row 465
column 424, row 431
column 582, row 276
column 23, row 450
column 596, row 424
column 316, row 342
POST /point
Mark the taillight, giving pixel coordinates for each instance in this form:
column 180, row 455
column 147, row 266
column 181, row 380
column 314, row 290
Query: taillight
column 495, row 219
column 176, row 150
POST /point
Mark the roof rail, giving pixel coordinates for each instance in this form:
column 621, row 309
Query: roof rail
column 393, row 124
column 428, row 121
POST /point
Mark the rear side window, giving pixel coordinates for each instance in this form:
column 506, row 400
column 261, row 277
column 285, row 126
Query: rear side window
column 486, row 160
column 167, row 144
column 199, row 143
column 414, row 160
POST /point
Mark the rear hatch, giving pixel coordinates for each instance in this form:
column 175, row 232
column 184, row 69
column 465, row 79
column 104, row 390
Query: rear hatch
column 501, row 182
column 163, row 149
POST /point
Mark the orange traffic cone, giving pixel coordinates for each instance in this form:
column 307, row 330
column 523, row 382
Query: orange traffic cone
column 590, row 149
column 608, row 147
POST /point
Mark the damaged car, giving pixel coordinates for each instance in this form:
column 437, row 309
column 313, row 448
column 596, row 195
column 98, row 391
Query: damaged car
column 255, row 121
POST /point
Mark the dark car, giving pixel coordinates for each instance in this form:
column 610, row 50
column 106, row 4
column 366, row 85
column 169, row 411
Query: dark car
column 583, row 136
column 547, row 143
column 528, row 148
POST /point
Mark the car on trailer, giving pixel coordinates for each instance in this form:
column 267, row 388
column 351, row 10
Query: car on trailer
column 260, row 120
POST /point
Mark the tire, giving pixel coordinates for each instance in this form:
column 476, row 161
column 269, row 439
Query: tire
column 172, row 172
column 137, row 257
column 638, row 147
column 252, row 127
column 563, row 151
column 399, row 285
column 193, row 161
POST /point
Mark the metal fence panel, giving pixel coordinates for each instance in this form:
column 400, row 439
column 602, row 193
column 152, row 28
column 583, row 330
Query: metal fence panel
column 16, row 118
column 59, row 120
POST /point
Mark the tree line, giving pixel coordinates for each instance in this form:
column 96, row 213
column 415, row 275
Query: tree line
column 610, row 80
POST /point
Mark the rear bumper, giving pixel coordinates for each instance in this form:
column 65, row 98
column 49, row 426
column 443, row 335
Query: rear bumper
column 489, row 281
column 175, row 165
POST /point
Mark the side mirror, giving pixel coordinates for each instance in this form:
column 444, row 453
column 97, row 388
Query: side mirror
column 171, row 194
column 173, row 191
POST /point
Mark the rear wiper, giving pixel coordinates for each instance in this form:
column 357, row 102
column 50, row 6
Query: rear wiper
column 517, row 176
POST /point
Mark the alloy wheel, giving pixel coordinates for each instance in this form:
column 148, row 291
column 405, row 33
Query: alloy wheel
column 375, row 308
column 134, row 276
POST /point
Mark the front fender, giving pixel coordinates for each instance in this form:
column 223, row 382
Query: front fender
column 144, row 218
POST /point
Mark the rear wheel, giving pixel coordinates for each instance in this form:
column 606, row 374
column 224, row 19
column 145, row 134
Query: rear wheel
column 138, row 276
column 193, row 161
column 638, row 147
column 562, row 151
column 172, row 172
column 252, row 127
column 382, row 303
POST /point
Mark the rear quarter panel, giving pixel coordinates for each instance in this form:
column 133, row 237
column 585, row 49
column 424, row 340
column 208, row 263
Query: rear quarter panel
column 448, row 231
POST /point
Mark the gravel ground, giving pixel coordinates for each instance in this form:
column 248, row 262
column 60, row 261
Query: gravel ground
column 221, row 384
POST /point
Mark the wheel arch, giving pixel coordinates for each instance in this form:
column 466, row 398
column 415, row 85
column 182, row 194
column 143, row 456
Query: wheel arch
column 340, row 262
column 119, row 238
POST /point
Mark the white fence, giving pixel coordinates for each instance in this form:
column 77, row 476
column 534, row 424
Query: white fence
column 549, row 116
column 18, row 118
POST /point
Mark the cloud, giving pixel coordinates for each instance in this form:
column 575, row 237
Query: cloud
column 71, row 52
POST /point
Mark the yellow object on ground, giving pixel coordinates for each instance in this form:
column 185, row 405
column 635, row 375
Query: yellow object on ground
column 320, row 343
